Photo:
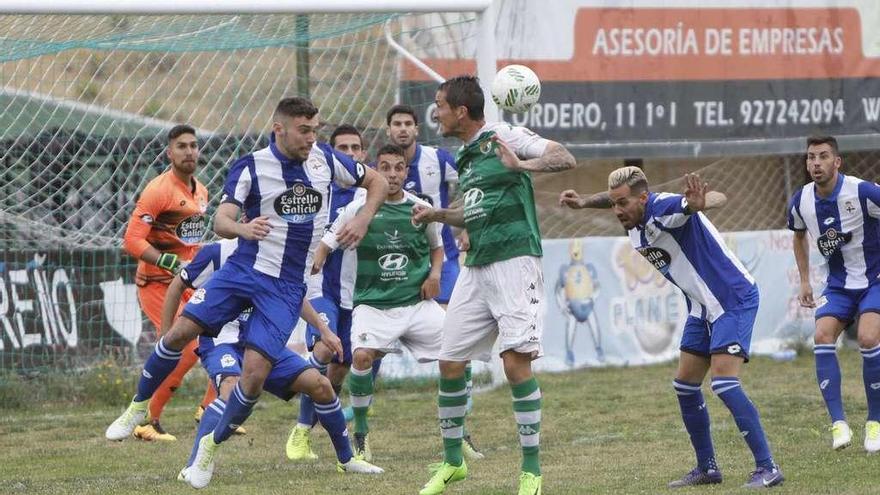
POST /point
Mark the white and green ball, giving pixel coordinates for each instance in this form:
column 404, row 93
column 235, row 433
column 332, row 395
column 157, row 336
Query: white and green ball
column 516, row 88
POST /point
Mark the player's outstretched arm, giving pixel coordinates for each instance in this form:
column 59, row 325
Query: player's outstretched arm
column 172, row 302
column 698, row 195
column 377, row 190
column 554, row 159
column 451, row 216
column 801, row 248
column 715, row 199
column 573, row 200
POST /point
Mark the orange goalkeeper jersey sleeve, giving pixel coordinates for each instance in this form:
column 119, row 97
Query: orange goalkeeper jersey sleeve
column 170, row 216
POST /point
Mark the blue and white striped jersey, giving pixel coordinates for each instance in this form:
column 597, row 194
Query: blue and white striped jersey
column 688, row 250
column 336, row 280
column 295, row 197
column 208, row 260
column 845, row 227
column 430, row 173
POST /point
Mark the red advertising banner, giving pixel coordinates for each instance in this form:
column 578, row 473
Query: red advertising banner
column 688, row 74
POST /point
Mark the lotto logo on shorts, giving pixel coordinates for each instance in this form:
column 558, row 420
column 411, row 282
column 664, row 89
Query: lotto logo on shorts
column 734, row 349
column 324, row 318
column 227, row 361
column 198, row 296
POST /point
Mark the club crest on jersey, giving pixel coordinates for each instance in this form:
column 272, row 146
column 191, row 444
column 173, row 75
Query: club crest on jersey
column 657, row 257
column 299, row 204
column 198, row 296
column 831, row 241
column 848, row 206
column 227, row 361
column 191, row 229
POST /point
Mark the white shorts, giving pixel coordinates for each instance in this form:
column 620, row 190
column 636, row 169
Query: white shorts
column 416, row 327
column 502, row 300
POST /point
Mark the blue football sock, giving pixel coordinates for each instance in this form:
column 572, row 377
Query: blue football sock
column 159, row 365
column 746, row 417
column 207, row 424
column 695, row 415
column 828, row 377
column 306, row 405
column 331, row 418
column 871, row 377
column 238, row 408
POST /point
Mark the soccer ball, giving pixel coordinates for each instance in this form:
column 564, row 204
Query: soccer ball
column 516, row 88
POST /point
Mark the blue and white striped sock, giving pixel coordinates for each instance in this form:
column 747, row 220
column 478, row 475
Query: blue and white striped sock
column 695, row 416
column 331, row 418
column 871, row 377
column 746, row 417
column 307, row 418
column 828, row 377
column 207, row 424
column 237, row 411
column 159, row 365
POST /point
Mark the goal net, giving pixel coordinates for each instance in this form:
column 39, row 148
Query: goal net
column 85, row 105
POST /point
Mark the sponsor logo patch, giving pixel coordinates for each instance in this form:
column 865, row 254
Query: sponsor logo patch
column 473, row 198
column 660, row 258
column 393, row 261
column 299, row 204
column 831, row 241
column 191, row 229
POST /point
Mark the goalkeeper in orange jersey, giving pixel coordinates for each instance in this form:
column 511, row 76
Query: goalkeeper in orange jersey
column 163, row 233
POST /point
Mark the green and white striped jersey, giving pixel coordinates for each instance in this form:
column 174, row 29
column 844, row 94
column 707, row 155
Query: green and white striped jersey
column 499, row 204
column 394, row 257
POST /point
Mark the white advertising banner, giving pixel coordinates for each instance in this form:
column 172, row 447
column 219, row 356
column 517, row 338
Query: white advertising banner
column 607, row 306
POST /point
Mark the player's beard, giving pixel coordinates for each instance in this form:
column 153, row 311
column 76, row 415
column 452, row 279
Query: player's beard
column 405, row 141
column 186, row 167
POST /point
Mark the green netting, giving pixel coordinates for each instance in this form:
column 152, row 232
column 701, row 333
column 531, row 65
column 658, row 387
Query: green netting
column 54, row 34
